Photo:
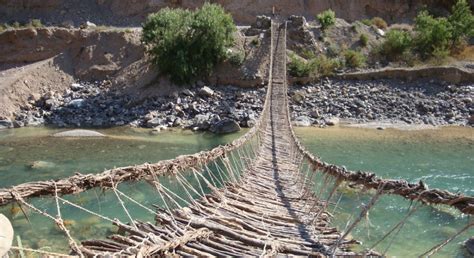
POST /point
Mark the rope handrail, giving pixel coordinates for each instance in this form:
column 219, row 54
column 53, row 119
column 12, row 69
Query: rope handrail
column 370, row 180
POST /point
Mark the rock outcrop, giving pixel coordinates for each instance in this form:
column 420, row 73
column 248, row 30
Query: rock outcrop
column 125, row 13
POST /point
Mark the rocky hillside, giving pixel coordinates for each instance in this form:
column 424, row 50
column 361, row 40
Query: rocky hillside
column 132, row 13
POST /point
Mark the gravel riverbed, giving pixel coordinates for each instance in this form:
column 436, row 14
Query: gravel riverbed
column 225, row 109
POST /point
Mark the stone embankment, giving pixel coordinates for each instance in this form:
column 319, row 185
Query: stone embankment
column 414, row 103
column 225, row 109
column 217, row 109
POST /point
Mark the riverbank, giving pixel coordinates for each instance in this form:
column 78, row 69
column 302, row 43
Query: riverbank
column 383, row 103
column 223, row 109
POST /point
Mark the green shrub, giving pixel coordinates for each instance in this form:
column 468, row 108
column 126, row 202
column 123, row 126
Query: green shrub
column 255, row 42
column 396, row 43
column 440, row 54
column 35, row 23
column 308, row 54
column 188, row 44
column 326, row 66
column 314, row 67
column 236, row 58
column 431, row 33
column 326, row 19
column 461, row 21
column 354, row 59
column 367, row 22
column 379, row 23
column 364, row 40
column 299, row 67
column 16, row 25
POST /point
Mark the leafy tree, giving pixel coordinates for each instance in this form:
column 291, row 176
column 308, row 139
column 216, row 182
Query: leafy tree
column 188, row 44
column 462, row 21
column 326, row 19
column 431, row 33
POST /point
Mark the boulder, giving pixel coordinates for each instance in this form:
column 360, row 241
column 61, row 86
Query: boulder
column 154, row 122
column 76, row 86
column 225, row 126
column 206, row 92
column 187, row 92
column 5, row 124
column 332, row 121
column 90, row 24
column 79, row 133
column 302, row 121
column 380, row 32
column 297, row 21
column 298, row 97
column 6, row 235
column 201, row 122
column 263, row 22
column 471, row 120
column 77, row 103
column 314, row 113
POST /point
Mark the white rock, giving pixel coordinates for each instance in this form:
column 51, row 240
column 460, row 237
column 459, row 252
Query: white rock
column 76, row 86
column 332, row 121
column 206, row 91
column 380, row 32
column 77, row 103
column 6, row 235
column 90, row 24
column 79, row 133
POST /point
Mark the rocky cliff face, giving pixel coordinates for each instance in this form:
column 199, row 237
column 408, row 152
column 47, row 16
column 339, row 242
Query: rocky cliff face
column 133, row 12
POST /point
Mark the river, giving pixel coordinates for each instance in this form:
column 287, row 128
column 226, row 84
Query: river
column 442, row 158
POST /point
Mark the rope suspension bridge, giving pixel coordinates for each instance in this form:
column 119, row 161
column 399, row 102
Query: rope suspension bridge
column 257, row 196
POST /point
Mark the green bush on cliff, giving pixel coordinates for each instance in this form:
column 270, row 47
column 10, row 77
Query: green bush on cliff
column 462, row 22
column 299, row 67
column 354, row 59
column 188, row 44
column 326, row 19
column 431, row 33
column 317, row 66
column 396, row 44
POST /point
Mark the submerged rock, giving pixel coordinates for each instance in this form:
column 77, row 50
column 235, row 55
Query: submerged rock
column 6, row 235
column 79, row 133
column 40, row 164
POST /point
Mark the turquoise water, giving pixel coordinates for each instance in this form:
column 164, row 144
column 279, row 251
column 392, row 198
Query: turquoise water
column 31, row 154
column 441, row 158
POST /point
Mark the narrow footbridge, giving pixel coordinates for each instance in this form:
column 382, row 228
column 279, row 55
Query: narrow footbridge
column 258, row 195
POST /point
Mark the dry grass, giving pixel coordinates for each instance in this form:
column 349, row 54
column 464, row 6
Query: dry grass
column 466, row 55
